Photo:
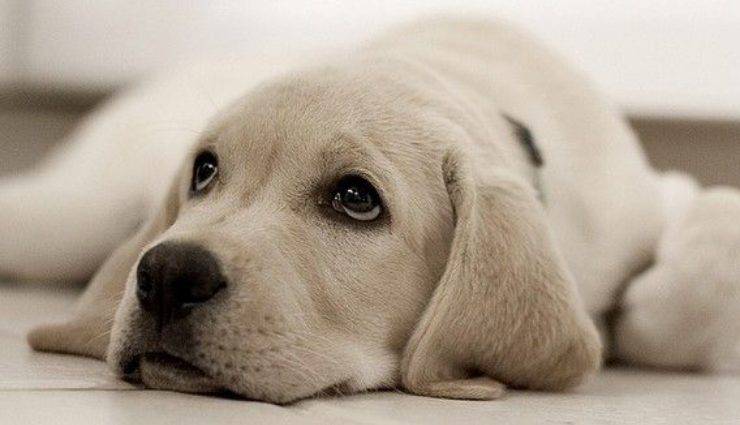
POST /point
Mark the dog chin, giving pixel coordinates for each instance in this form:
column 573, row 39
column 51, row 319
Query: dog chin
column 163, row 371
column 166, row 372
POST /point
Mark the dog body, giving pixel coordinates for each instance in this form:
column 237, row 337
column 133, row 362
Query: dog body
column 483, row 267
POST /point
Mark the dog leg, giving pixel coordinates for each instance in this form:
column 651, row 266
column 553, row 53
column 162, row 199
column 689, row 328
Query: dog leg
column 684, row 312
column 87, row 333
column 59, row 222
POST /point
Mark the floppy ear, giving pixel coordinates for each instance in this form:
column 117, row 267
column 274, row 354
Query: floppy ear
column 505, row 311
column 87, row 333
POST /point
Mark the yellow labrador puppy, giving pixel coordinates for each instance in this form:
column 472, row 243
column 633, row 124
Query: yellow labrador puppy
column 445, row 210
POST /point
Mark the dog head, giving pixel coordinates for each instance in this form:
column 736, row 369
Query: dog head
column 349, row 229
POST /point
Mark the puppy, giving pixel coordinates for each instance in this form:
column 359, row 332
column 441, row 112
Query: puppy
column 445, row 210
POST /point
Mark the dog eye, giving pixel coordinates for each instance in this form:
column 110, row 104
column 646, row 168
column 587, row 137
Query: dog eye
column 205, row 169
column 357, row 198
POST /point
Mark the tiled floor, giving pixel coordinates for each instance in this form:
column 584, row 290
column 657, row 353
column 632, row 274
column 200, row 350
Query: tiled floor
column 54, row 389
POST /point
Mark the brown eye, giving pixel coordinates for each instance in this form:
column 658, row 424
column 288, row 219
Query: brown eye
column 357, row 198
column 205, row 169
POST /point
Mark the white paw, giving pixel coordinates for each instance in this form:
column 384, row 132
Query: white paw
column 684, row 312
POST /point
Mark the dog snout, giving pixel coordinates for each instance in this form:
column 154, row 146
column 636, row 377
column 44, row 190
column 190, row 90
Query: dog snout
column 173, row 278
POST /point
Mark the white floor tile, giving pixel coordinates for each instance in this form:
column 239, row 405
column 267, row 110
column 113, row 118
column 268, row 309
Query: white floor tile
column 44, row 388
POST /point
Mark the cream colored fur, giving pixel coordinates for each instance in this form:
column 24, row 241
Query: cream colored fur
column 469, row 284
column 684, row 311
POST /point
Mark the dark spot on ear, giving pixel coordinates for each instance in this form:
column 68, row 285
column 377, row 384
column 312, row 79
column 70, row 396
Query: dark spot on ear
column 526, row 139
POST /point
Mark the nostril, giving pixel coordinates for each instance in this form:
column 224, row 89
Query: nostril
column 144, row 284
column 198, row 293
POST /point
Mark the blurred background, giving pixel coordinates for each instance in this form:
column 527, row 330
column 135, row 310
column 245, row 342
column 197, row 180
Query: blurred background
column 673, row 66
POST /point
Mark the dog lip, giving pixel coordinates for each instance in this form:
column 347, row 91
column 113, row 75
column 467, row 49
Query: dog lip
column 129, row 368
column 161, row 370
column 167, row 360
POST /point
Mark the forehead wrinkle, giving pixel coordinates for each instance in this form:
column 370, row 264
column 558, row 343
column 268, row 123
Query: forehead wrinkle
column 255, row 149
column 344, row 152
column 205, row 142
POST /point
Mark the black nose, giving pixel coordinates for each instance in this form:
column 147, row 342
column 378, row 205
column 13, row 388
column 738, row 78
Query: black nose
column 172, row 278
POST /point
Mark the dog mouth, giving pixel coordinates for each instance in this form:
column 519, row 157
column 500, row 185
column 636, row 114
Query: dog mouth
column 160, row 370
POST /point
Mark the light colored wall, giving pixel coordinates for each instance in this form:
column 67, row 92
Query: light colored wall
column 670, row 58
column 8, row 58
